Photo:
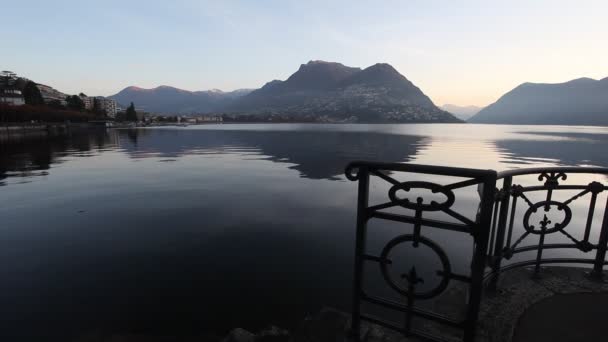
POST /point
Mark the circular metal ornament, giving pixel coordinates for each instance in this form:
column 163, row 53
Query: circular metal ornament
column 556, row 226
column 444, row 273
column 352, row 173
column 419, row 204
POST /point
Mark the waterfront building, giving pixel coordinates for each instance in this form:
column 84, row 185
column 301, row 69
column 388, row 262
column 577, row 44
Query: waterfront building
column 209, row 119
column 108, row 106
column 88, row 102
column 9, row 93
column 11, row 97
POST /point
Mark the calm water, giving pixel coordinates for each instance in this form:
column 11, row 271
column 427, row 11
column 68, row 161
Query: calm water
column 211, row 227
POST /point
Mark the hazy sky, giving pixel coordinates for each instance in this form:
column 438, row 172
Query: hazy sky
column 461, row 52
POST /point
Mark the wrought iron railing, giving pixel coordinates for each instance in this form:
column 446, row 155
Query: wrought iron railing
column 507, row 241
column 495, row 236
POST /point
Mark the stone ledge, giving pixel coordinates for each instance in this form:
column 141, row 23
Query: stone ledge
column 519, row 289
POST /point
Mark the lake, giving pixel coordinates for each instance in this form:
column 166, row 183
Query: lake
column 206, row 228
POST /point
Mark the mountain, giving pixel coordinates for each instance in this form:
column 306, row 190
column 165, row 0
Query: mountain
column 338, row 92
column 165, row 99
column 582, row 101
column 310, row 81
column 317, row 91
column 461, row 112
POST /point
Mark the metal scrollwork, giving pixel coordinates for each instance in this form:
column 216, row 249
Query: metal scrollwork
column 552, row 178
column 419, row 204
column 595, row 187
column 545, row 229
column 411, row 277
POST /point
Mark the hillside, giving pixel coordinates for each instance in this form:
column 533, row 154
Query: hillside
column 165, row 99
column 583, row 101
column 318, row 90
column 375, row 94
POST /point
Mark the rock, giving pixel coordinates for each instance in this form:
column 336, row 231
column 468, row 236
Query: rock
column 327, row 326
column 272, row 334
column 239, row 335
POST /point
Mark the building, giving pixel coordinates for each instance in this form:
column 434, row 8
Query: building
column 108, row 106
column 209, row 119
column 9, row 93
column 11, row 97
column 88, row 102
column 50, row 94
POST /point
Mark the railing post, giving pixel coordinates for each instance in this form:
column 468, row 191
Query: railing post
column 362, row 217
column 600, row 256
column 501, row 230
column 478, row 264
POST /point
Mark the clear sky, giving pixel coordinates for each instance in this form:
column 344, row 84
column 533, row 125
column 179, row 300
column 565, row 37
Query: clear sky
column 461, row 52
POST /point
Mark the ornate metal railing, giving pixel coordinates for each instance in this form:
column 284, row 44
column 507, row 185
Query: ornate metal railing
column 492, row 230
column 515, row 199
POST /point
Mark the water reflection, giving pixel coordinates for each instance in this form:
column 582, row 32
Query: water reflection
column 29, row 155
column 316, row 155
column 568, row 149
column 175, row 228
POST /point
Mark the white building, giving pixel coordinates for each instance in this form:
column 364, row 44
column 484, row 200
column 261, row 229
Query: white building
column 209, row 119
column 9, row 93
column 11, row 97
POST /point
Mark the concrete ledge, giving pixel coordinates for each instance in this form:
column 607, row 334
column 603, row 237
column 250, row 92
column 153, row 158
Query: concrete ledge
column 519, row 289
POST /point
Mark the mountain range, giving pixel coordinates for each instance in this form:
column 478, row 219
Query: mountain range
column 166, row 99
column 461, row 112
column 319, row 89
column 582, row 101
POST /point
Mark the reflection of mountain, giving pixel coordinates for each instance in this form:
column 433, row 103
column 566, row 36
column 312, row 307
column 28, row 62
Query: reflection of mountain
column 316, row 154
column 34, row 153
column 578, row 149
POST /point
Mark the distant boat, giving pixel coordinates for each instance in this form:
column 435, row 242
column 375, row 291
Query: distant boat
column 182, row 124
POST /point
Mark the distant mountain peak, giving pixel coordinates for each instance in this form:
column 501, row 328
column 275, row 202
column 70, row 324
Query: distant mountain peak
column 140, row 89
column 385, row 74
column 378, row 93
column 581, row 101
column 318, row 61
column 319, row 75
column 383, row 67
column 134, row 88
column 168, row 99
column 462, row 112
column 323, row 65
column 583, row 80
column 580, row 80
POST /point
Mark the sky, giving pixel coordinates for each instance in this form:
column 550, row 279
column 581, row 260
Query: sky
column 459, row 52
